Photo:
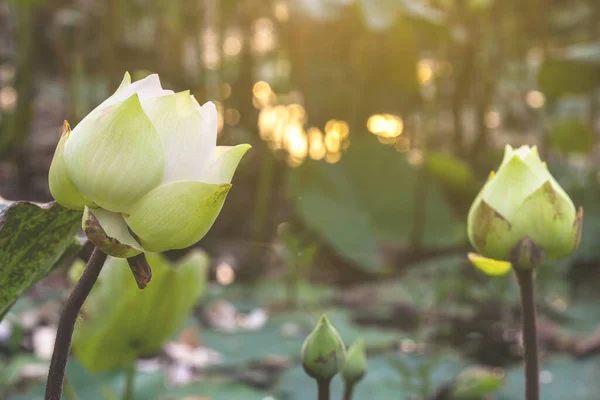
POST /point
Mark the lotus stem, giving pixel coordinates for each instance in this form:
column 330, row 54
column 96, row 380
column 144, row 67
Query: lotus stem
column 525, row 278
column 323, row 389
column 129, row 382
column 66, row 324
column 348, row 391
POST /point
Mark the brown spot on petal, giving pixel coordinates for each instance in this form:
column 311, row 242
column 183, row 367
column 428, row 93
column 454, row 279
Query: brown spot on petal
column 552, row 196
column 484, row 218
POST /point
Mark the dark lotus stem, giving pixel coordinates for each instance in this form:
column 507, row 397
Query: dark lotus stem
column 323, row 389
column 532, row 375
column 66, row 324
column 348, row 391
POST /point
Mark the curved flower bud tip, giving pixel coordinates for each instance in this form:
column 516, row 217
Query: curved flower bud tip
column 355, row 367
column 323, row 354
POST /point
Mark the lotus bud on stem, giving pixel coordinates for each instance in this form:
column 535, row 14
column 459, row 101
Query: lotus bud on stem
column 355, row 368
column 323, row 356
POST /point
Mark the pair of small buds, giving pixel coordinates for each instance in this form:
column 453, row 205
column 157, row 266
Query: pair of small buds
column 324, row 355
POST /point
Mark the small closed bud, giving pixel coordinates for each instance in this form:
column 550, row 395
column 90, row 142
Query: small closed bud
column 323, row 353
column 356, row 364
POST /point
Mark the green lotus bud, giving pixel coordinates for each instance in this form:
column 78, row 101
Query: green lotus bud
column 521, row 210
column 323, row 353
column 146, row 162
column 123, row 323
column 355, row 367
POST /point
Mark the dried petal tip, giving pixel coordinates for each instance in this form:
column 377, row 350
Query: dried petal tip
column 141, row 270
column 323, row 353
column 109, row 232
column 355, row 368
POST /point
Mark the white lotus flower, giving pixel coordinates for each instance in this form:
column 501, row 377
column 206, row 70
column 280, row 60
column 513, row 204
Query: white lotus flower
column 145, row 161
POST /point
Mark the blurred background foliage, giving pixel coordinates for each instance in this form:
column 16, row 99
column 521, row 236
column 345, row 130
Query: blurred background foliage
column 373, row 123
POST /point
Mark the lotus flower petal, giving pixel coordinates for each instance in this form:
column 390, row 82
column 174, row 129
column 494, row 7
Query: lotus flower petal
column 188, row 133
column 176, row 215
column 115, row 156
column 222, row 165
column 61, row 185
column 547, row 216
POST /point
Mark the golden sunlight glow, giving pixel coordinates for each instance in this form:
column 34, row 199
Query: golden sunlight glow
column 385, row 125
column 297, row 143
column 225, row 273
column 261, row 90
column 415, row 157
column 211, row 56
column 425, row 69
column 281, row 11
column 296, row 112
column 282, row 127
column 8, row 98
column 492, row 119
column 232, row 116
column 316, row 143
column 263, row 95
column 264, row 39
column 333, row 158
column 535, row 99
column 232, row 46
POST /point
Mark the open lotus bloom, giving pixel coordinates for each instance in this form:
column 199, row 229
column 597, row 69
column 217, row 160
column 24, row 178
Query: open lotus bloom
column 146, row 168
column 522, row 210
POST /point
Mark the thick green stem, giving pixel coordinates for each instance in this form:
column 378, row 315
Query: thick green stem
column 129, row 382
column 532, row 375
column 323, row 389
column 66, row 325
